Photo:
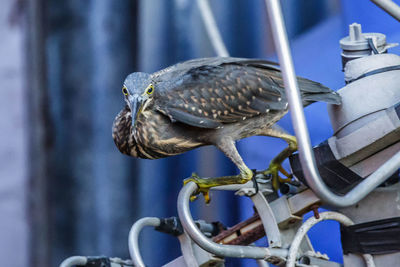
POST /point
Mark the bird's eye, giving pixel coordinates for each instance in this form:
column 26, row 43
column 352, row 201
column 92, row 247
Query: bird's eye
column 125, row 90
column 150, row 89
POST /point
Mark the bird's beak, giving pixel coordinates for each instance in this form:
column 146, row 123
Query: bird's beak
column 135, row 103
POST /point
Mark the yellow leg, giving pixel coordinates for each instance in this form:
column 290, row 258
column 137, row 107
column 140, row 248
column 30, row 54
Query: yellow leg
column 275, row 165
column 228, row 147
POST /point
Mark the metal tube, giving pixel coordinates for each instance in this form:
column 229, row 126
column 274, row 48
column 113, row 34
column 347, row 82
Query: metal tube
column 307, row 159
column 210, row 246
column 74, row 261
column 302, row 231
column 134, row 238
column 389, row 6
column 212, row 29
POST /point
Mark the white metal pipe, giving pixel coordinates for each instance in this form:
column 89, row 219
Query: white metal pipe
column 210, row 246
column 302, row 231
column 212, row 29
column 389, row 6
column 134, row 238
column 74, row 261
column 307, row 158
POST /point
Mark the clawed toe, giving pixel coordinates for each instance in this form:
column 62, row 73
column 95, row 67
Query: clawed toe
column 202, row 185
column 273, row 173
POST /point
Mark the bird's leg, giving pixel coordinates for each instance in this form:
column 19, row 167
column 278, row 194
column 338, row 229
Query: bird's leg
column 204, row 184
column 275, row 165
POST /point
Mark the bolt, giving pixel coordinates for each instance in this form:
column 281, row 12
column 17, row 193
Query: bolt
column 314, row 208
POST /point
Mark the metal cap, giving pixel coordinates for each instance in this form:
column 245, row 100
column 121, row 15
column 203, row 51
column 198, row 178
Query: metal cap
column 359, row 41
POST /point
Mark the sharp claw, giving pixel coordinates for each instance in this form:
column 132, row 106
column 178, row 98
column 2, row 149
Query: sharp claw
column 205, row 191
column 207, row 198
column 273, row 173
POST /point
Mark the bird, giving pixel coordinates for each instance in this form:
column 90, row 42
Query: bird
column 210, row 101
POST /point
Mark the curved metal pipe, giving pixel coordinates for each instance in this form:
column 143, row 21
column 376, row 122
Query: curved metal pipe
column 307, row 158
column 302, row 231
column 134, row 238
column 210, row 246
column 389, row 6
column 74, row 261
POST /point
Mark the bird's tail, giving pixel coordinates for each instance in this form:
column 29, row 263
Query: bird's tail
column 313, row 91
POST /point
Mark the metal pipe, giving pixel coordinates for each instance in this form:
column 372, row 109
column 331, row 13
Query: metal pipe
column 307, row 158
column 389, row 6
column 74, row 261
column 134, row 238
column 217, row 249
column 212, row 29
column 302, row 231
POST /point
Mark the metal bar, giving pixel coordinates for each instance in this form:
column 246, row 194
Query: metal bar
column 74, row 261
column 302, row 231
column 210, row 246
column 212, row 29
column 389, row 6
column 134, row 238
column 307, row 159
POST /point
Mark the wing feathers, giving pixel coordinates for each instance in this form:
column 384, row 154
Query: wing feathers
column 228, row 90
column 185, row 117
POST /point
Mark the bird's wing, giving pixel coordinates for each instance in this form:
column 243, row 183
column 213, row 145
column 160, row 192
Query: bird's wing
column 210, row 95
column 210, row 92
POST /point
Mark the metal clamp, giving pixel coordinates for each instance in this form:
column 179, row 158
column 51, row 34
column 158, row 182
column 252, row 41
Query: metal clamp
column 307, row 158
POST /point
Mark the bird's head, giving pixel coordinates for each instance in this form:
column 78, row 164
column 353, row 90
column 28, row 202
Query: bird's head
column 138, row 90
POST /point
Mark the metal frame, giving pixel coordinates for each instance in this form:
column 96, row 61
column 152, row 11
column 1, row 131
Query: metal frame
column 307, row 158
column 234, row 251
column 329, row 215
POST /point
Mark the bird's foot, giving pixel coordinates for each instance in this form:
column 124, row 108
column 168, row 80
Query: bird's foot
column 203, row 187
column 204, row 184
column 273, row 172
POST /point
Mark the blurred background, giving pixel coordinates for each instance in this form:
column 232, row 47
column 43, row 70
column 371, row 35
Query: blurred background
column 64, row 187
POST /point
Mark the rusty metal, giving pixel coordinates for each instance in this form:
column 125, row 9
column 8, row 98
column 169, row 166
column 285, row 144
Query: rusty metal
column 243, row 233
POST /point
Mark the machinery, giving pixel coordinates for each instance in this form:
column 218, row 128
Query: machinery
column 355, row 173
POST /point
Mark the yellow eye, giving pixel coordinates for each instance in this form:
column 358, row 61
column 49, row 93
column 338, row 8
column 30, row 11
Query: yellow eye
column 150, row 89
column 125, row 90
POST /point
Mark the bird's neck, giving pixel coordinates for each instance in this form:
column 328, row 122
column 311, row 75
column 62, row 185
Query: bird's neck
column 122, row 133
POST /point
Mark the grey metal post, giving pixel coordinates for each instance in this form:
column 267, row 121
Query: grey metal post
column 307, row 159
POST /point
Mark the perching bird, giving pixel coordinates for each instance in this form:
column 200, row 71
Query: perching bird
column 209, row 101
